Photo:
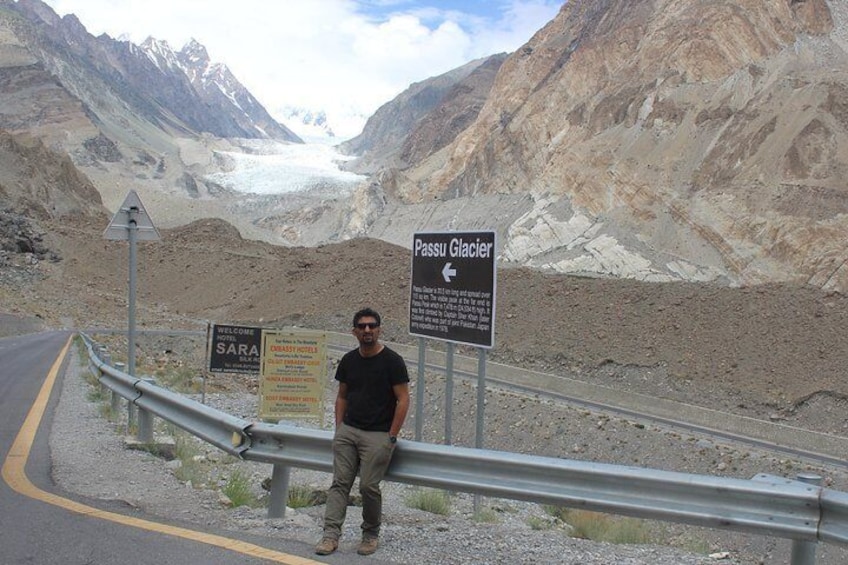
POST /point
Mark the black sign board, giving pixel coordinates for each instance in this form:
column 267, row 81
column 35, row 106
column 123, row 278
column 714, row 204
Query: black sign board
column 235, row 349
column 452, row 295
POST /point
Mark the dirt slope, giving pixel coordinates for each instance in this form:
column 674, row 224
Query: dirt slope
column 762, row 350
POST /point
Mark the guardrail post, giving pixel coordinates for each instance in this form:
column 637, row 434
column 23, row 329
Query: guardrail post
column 279, row 491
column 115, row 404
column 804, row 552
column 106, row 358
column 145, row 420
column 130, row 406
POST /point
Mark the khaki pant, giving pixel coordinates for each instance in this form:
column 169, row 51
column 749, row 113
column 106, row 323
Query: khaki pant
column 369, row 454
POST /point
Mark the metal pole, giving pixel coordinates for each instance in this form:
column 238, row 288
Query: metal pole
column 106, row 358
column 116, row 398
column 279, row 491
column 145, row 426
column 419, row 390
column 481, row 395
column 115, row 403
column 145, row 421
column 804, row 552
column 449, row 394
column 132, row 228
column 208, row 356
column 481, row 406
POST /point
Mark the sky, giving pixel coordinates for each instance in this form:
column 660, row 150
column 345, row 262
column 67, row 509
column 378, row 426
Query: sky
column 345, row 57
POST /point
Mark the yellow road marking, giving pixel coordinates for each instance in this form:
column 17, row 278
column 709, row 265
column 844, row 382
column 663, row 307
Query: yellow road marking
column 14, row 473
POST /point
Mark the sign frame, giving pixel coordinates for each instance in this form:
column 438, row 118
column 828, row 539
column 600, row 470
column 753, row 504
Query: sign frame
column 453, row 286
column 239, row 342
column 293, row 374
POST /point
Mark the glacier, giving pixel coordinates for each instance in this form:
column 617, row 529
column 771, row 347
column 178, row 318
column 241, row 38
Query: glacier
column 279, row 168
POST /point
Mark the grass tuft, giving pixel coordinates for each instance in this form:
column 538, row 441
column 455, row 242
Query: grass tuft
column 302, row 496
column 539, row 524
column 595, row 526
column 430, row 500
column 238, row 490
column 486, row 515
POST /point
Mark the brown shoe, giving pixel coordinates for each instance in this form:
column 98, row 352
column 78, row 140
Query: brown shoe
column 367, row 546
column 327, row 546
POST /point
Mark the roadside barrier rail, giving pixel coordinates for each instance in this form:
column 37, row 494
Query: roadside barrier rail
column 799, row 510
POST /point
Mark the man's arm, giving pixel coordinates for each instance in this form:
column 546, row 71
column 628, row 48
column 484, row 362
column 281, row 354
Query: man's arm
column 402, row 396
column 341, row 403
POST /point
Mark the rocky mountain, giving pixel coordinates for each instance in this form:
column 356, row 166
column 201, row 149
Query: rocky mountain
column 653, row 139
column 142, row 116
column 182, row 90
column 424, row 118
column 659, row 140
column 37, row 187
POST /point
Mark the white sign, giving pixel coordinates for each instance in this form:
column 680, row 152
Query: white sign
column 130, row 215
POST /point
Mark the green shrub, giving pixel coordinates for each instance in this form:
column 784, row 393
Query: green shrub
column 238, row 490
column 181, row 380
column 537, row 523
column 191, row 468
column 301, row 496
column 604, row 527
column 192, row 471
column 430, row 500
column 486, row 516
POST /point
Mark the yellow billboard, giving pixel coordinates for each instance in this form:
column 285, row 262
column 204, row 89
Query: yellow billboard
column 293, row 371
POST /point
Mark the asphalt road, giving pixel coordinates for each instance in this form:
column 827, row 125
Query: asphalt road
column 40, row 524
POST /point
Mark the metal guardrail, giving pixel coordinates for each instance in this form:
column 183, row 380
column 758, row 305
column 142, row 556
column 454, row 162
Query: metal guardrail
column 765, row 505
column 785, row 438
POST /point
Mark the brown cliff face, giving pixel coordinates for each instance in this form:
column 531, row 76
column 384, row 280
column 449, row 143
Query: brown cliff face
column 424, row 118
column 41, row 183
column 718, row 125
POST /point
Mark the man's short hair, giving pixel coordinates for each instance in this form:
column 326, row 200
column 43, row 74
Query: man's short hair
column 366, row 312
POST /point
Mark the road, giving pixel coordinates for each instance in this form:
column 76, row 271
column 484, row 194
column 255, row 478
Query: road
column 42, row 525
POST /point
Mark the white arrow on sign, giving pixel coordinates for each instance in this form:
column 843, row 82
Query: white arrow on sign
column 447, row 272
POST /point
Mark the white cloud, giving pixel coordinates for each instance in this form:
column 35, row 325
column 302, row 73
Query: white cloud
column 343, row 56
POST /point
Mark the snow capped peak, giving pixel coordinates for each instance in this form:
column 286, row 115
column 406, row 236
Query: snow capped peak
column 215, row 85
column 157, row 45
column 160, row 53
column 308, row 123
column 195, row 52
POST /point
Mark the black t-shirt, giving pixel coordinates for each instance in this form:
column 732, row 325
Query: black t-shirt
column 371, row 400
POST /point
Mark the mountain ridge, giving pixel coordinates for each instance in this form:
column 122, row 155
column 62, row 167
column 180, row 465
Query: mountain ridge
column 126, row 115
column 662, row 140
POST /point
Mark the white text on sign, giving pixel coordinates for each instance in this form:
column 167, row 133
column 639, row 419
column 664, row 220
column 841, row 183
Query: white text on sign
column 457, row 248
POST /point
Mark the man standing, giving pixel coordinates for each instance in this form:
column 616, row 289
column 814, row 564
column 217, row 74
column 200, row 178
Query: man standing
column 371, row 406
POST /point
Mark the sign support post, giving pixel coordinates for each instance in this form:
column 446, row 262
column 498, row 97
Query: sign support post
column 131, row 223
column 452, row 297
column 132, row 231
column 481, row 403
column 449, row 394
column 419, row 390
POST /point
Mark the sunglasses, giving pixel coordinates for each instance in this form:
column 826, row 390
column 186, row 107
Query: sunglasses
column 369, row 325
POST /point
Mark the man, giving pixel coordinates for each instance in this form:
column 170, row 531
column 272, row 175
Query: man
column 371, row 406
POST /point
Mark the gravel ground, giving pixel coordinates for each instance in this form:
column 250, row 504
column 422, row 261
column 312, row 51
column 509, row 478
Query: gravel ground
column 514, row 423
